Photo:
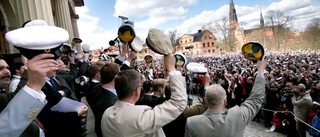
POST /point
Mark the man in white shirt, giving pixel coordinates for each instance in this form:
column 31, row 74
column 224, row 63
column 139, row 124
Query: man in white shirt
column 17, row 70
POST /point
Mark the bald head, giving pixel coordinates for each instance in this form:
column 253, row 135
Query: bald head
column 215, row 95
column 302, row 87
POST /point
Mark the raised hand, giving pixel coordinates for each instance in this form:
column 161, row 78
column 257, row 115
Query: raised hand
column 38, row 67
column 169, row 62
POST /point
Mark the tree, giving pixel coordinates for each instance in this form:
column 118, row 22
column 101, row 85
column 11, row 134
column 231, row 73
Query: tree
column 312, row 33
column 173, row 37
column 278, row 23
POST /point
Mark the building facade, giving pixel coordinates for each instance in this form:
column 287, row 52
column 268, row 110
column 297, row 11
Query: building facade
column 60, row 13
column 200, row 43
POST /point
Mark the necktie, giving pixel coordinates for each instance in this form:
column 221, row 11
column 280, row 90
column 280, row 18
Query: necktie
column 54, row 84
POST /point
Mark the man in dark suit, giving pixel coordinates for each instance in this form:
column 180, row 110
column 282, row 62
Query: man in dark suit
column 94, row 79
column 104, row 96
column 59, row 123
column 158, row 89
column 76, row 69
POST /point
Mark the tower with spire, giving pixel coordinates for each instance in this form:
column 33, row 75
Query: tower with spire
column 261, row 21
column 233, row 19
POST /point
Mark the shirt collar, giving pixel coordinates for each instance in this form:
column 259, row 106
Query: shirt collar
column 112, row 90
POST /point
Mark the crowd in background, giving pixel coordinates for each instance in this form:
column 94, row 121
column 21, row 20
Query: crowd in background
column 236, row 75
column 233, row 72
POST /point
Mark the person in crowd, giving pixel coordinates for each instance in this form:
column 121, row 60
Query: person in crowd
column 231, row 122
column 125, row 63
column 301, row 101
column 147, row 88
column 94, row 79
column 17, row 71
column 158, row 89
column 70, row 70
column 125, row 119
column 67, row 123
column 25, row 105
column 104, row 96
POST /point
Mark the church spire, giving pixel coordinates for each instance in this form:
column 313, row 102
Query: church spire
column 261, row 20
column 232, row 13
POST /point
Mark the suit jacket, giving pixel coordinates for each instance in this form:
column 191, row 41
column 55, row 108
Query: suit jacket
column 103, row 99
column 126, row 120
column 89, row 91
column 76, row 70
column 19, row 113
column 57, row 123
column 230, row 123
column 151, row 100
column 301, row 105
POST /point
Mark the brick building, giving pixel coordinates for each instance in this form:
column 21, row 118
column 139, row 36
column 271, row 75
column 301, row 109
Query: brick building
column 202, row 42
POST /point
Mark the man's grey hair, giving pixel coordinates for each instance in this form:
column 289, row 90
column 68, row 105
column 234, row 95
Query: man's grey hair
column 215, row 94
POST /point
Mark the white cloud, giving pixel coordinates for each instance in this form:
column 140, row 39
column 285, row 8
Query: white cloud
column 285, row 5
column 90, row 32
column 301, row 10
column 154, row 13
column 146, row 7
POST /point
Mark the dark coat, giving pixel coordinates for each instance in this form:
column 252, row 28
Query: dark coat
column 103, row 99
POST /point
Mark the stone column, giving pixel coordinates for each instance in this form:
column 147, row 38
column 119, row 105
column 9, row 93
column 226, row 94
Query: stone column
column 63, row 17
column 76, row 32
column 33, row 9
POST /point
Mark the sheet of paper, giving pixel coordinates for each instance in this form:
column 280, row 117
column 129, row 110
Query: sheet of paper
column 67, row 105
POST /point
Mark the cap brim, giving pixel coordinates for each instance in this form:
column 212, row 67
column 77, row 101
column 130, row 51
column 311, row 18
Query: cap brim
column 136, row 44
column 180, row 59
column 37, row 37
column 196, row 68
column 148, row 58
column 126, row 33
column 252, row 56
column 153, row 49
column 158, row 42
column 29, row 54
column 77, row 40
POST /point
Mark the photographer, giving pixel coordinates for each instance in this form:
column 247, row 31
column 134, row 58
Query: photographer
column 301, row 103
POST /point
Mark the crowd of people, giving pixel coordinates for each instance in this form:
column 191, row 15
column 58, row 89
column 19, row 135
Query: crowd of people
column 138, row 98
column 289, row 74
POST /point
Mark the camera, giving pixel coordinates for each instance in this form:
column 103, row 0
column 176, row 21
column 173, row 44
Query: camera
column 287, row 89
column 81, row 79
column 274, row 89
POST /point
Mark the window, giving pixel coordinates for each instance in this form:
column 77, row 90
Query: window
column 196, row 45
column 181, row 42
column 189, row 40
column 208, row 44
column 204, row 51
column 205, row 37
column 204, row 44
column 185, row 41
column 212, row 50
column 209, row 51
column 212, row 43
column 145, row 51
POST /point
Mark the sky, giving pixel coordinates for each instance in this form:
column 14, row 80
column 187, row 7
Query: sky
column 99, row 19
